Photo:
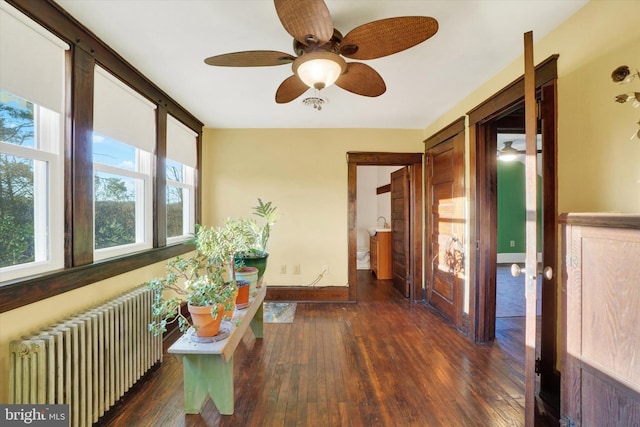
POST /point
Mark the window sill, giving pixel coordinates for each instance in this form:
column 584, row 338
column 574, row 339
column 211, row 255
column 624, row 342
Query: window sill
column 24, row 291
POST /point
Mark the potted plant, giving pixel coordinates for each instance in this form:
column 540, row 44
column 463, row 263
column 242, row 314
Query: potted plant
column 199, row 282
column 205, row 281
column 207, row 278
column 255, row 255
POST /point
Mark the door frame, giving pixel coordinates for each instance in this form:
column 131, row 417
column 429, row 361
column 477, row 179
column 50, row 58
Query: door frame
column 414, row 162
column 483, row 214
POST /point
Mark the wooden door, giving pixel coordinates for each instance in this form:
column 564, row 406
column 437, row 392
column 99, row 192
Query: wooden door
column 444, row 289
column 400, row 229
column 601, row 314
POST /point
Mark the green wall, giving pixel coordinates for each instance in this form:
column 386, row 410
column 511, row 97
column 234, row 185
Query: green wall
column 511, row 207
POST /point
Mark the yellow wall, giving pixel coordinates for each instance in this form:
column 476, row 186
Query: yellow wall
column 304, row 173
column 598, row 165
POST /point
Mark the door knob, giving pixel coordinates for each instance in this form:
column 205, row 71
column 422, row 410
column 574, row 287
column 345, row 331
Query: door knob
column 547, row 272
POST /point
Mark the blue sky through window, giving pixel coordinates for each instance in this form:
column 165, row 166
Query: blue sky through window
column 113, row 153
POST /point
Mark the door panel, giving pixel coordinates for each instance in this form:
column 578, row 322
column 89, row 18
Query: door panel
column 601, row 306
column 400, row 229
column 444, row 223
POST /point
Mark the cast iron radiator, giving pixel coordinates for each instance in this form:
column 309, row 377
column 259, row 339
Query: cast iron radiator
column 87, row 361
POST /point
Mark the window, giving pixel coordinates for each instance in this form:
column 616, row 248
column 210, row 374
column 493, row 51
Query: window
column 180, row 163
column 41, row 255
column 31, row 165
column 123, row 143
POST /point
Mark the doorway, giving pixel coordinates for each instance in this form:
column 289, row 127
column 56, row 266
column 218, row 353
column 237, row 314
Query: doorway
column 500, row 113
column 413, row 162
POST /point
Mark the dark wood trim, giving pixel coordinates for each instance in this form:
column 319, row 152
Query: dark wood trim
column 445, row 133
column 352, row 227
column 160, row 181
column 198, row 179
column 306, row 294
column 68, row 160
column 414, row 161
column 81, row 195
column 416, row 221
column 57, row 20
column 387, row 159
column 550, row 377
column 21, row 292
column 512, row 93
column 383, row 189
column 600, row 220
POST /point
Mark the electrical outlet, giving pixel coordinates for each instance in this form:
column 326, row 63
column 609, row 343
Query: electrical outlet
column 296, row 269
column 512, row 243
column 283, row 269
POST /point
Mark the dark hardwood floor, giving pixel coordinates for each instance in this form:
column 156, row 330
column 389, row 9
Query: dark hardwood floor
column 381, row 362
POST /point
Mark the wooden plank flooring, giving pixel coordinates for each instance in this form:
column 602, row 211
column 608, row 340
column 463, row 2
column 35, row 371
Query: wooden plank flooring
column 381, row 362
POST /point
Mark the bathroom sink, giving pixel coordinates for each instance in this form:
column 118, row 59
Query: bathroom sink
column 373, row 230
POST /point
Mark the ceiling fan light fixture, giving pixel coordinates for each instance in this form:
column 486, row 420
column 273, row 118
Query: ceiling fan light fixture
column 508, row 153
column 319, row 69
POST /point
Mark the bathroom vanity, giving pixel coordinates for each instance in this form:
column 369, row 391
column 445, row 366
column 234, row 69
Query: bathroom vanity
column 380, row 253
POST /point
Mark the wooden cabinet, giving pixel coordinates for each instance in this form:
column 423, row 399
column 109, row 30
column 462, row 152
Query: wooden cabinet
column 380, row 255
column 601, row 313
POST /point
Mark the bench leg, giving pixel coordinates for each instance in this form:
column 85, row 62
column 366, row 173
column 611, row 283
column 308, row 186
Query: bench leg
column 207, row 375
column 257, row 322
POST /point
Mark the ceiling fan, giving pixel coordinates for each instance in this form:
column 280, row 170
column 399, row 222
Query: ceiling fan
column 320, row 49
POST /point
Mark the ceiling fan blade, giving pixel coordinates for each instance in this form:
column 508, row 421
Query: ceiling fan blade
column 361, row 80
column 387, row 36
column 250, row 58
column 290, row 89
column 302, row 18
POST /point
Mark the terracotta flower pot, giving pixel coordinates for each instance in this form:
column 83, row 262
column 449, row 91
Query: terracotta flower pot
column 242, row 300
column 204, row 323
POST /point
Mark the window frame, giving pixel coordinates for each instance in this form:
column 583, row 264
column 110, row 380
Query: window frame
column 188, row 208
column 143, row 205
column 48, row 184
column 80, row 268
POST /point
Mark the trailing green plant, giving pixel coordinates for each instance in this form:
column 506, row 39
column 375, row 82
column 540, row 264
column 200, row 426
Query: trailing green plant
column 196, row 280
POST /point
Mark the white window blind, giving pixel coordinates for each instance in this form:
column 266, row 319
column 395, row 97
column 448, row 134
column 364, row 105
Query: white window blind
column 32, row 65
column 181, row 143
column 121, row 113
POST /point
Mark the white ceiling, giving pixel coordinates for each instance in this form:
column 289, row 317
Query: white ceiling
column 167, row 40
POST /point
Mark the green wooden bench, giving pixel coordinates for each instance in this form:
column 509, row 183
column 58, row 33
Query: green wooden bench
column 208, row 367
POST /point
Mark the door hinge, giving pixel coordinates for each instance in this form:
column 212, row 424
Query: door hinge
column 538, row 367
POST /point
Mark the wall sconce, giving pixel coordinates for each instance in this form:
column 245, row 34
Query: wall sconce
column 623, row 75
